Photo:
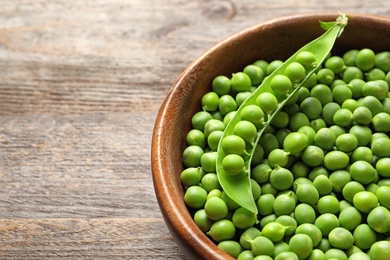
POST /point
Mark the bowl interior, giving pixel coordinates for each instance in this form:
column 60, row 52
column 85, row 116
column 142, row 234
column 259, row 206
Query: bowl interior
column 275, row 39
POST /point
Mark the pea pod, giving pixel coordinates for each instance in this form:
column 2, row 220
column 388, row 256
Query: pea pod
column 236, row 183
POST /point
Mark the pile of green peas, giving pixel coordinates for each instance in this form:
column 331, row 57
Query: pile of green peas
column 320, row 173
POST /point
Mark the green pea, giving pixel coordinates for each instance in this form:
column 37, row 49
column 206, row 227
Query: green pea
column 365, row 201
column 300, row 169
column 309, row 132
column 287, row 256
column 228, row 117
column 362, row 116
column 339, row 179
column 257, row 156
column 335, row 63
column 341, row 93
column 274, row 231
column 316, row 171
column 246, row 255
column 380, row 250
column 365, row 59
column 273, row 65
column 316, row 254
column 280, row 84
column 256, row 189
column 221, row 85
column 325, row 76
column 356, row 85
column 326, row 222
column 233, row 164
column 312, row 155
column 280, row 120
column 335, row 254
column 295, row 142
column 386, row 105
column 255, row 73
column 350, row 189
column 265, row 204
column 281, row 178
column 214, row 193
column 335, row 160
column 381, row 122
column 213, row 125
column 295, row 72
column 328, row 204
column 227, row 104
column 261, row 173
column 190, row 176
column 324, row 139
column 337, row 130
column 346, row 142
column 192, row 155
column 278, row 157
column 301, row 245
column 253, row 114
column 304, row 213
column 364, row 236
column 210, row 101
column 284, row 204
column 383, row 167
column 221, row 230
column 311, row 107
column 350, row 104
column 267, row 102
column 312, row 231
column 281, row 135
column 302, row 93
column 343, row 117
column 262, row 64
column 306, row 58
column 247, row 237
column 323, row 184
column 241, row 82
column 243, row 218
column 359, row 256
column 232, row 205
column 350, row 218
column 383, row 194
column 202, row 220
column 233, row 144
column 317, row 124
column 362, row 133
column 199, row 120
column 216, row 208
column 375, row 74
column 349, row 57
column 217, row 115
column 381, row 147
column 376, row 88
column 246, row 130
column 241, row 97
column 310, row 82
column 382, row 60
column 323, row 93
column 372, row 103
column 262, row 245
column 269, row 142
column 210, row 182
column 195, row 197
column 351, row 73
column 289, row 222
column 362, row 153
column 379, row 219
column 208, row 161
column 213, row 139
column 196, row 137
column 297, row 121
column 231, row 247
column 328, row 111
column 307, row 193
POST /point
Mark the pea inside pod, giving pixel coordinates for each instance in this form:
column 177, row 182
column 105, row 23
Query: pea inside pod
column 282, row 84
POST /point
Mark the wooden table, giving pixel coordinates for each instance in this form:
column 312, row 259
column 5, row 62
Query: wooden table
column 80, row 86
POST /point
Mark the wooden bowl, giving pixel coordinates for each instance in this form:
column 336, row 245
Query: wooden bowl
column 275, row 39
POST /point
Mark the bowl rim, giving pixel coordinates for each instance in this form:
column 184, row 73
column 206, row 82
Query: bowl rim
column 189, row 237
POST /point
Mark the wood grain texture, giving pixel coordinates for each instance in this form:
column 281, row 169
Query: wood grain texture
column 80, row 85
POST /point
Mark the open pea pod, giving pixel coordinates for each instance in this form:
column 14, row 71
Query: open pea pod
column 238, row 185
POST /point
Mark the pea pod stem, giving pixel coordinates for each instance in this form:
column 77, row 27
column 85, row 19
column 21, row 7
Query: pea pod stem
column 238, row 187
